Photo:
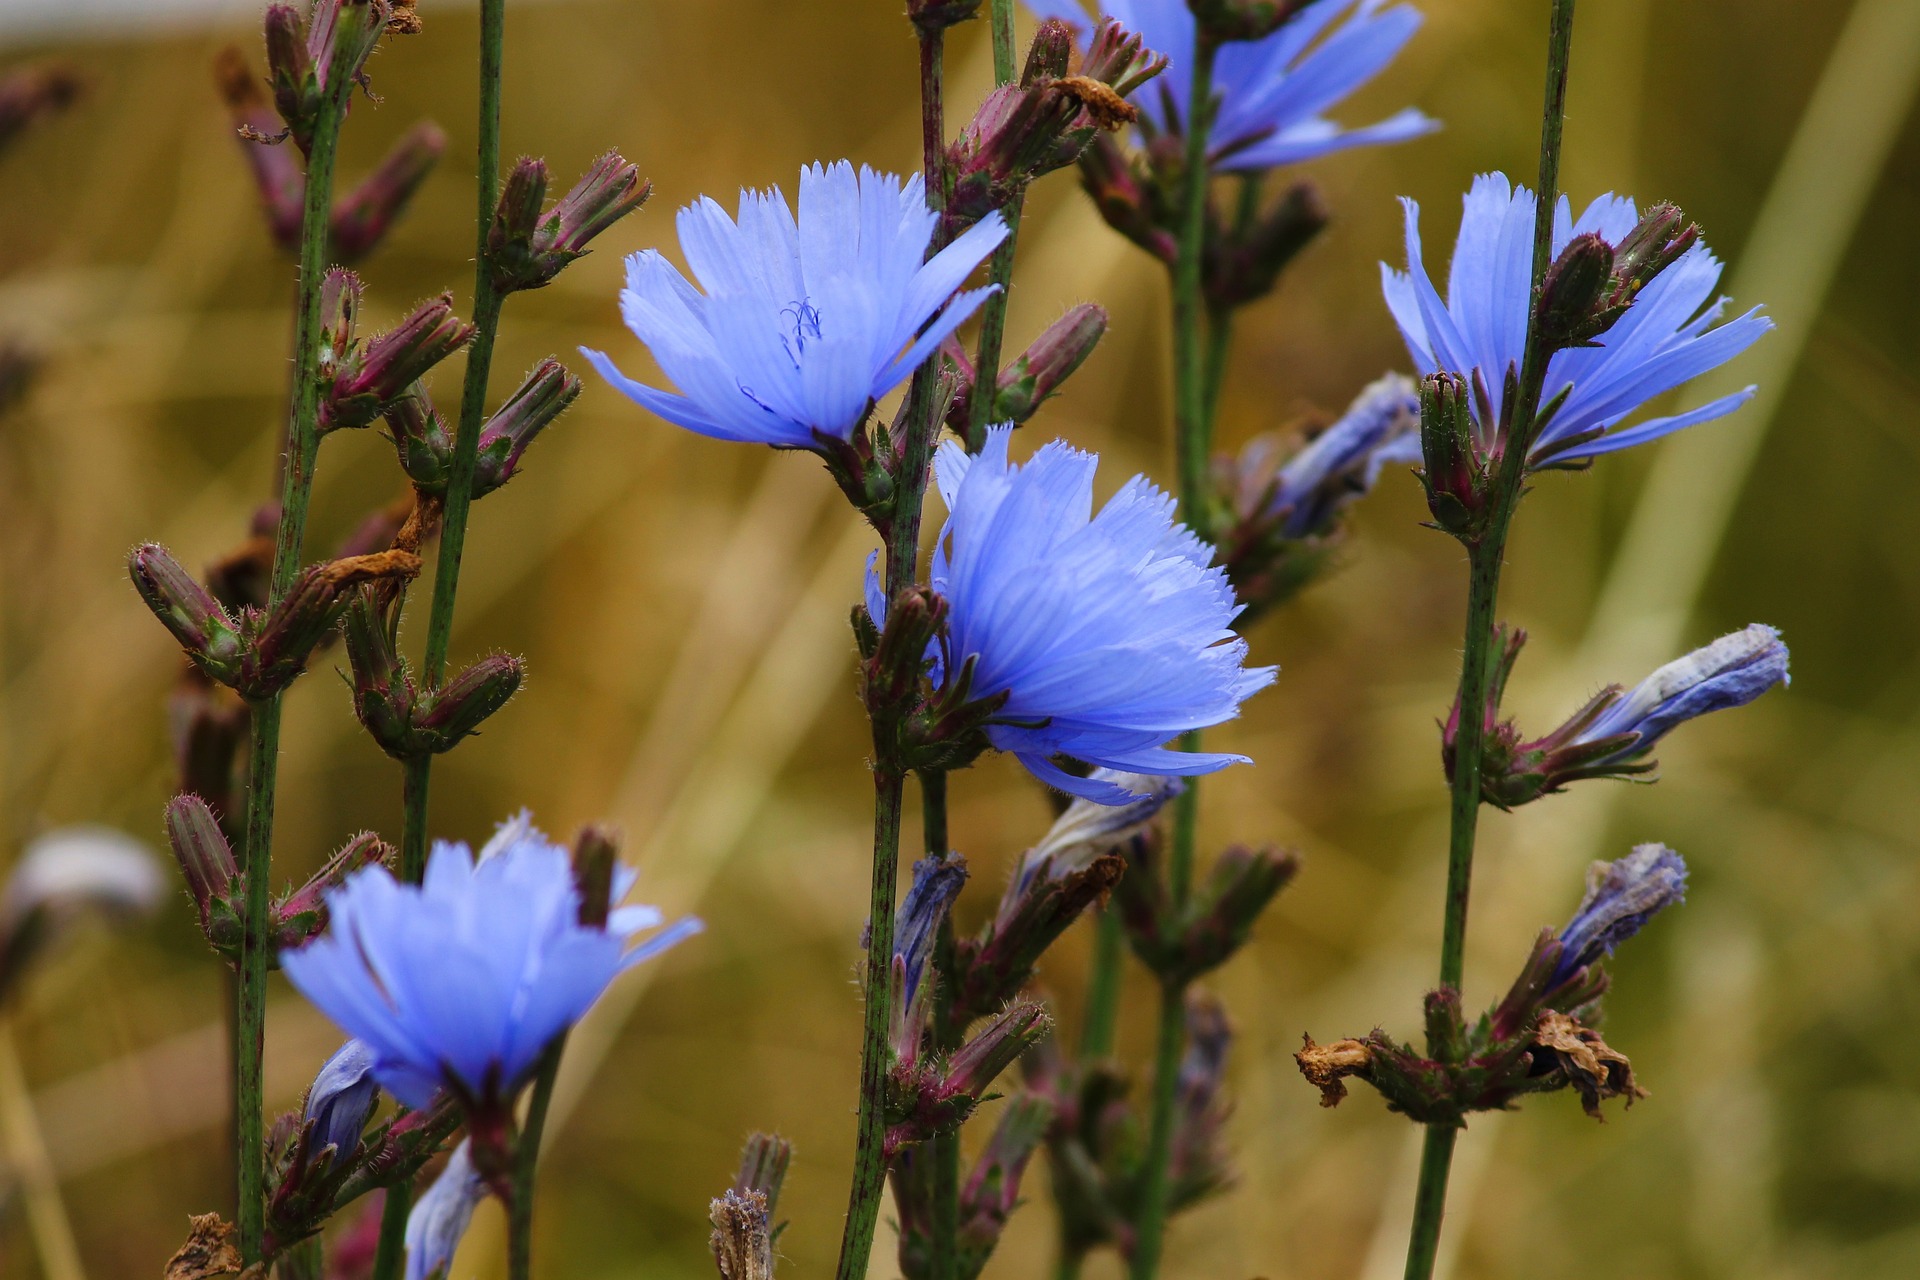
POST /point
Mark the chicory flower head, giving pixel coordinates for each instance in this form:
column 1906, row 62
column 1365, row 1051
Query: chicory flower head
column 1621, row 897
column 464, row 980
column 1109, row 633
column 1730, row 672
column 1667, row 337
column 440, row 1216
column 1272, row 92
column 341, row 1099
column 799, row 324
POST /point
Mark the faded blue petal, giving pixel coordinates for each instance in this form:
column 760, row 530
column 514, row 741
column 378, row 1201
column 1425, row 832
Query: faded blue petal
column 1621, row 897
column 798, row 324
column 440, row 1216
column 1380, row 427
column 1730, row 672
column 341, row 1099
column 936, row 883
column 1273, row 93
column 1109, row 632
column 463, row 980
column 1668, row 337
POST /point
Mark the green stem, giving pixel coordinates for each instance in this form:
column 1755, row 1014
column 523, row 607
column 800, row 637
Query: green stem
column 1220, row 318
column 1070, row 1263
column 1192, row 430
column 417, row 774
column 1150, row 1231
column 1103, row 986
column 296, row 490
column 869, row 1158
column 391, row 1252
column 526, row 1158
column 1485, row 560
column 993, row 313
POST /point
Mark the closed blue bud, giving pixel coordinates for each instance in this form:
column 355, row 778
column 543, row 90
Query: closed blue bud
column 1108, row 634
column 341, row 1099
column 1272, row 92
column 1621, row 897
column 440, row 1216
column 1730, row 672
column 804, row 322
column 1380, row 427
column 463, row 981
column 1665, row 338
column 936, row 883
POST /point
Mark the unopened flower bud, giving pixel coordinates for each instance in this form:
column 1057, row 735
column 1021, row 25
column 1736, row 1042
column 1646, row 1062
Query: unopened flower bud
column 302, row 914
column 978, row 1063
column 1119, row 58
column 207, row 862
column 441, row 1214
column 290, row 71
column 1127, row 197
column 908, row 626
column 1456, row 474
column 339, row 1103
column 527, row 248
column 1200, row 1165
column 363, row 383
column 1048, row 362
column 459, row 707
column 938, row 15
column 1245, row 879
column 992, row 1191
column 1051, row 53
column 1655, row 243
column 1224, row 20
column 210, row 636
column 362, row 218
column 1244, row 258
column 544, row 396
column 763, row 1167
column 1621, row 897
column 421, row 439
column 1571, row 310
column 310, row 611
column 276, row 173
column 596, row 853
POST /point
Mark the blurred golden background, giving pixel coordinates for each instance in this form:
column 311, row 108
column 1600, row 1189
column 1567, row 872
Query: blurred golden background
column 681, row 604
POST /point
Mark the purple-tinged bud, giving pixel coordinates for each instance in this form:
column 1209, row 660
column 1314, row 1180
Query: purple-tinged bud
column 763, row 1167
column 383, row 692
column 1060, row 349
column 596, row 854
column 544, row 396
column 938, row 15
column 421, row 439
column 30, row 94
column 290, row 70
column 1621, row 897
column 1128, row 197
column 340, row 295
column 277, row 175
column 1244, row 258
column 441, row 1214
column 1572, row 310
column 1457, row 474
column 974, row 1067
column 936, row 883
column 339, row 1103
column 1119, row 58
column 527, row 248
column 1050, row 56
column 310, row 612
column 208, row 633
column 1656, row 242
column 1221, row 917
column 1225, row 20
column 207, row 862
column 992, row 1191
column 362, row 218
column 458, row 708
column 364, row 383
column 302, row 914
column 341, row 36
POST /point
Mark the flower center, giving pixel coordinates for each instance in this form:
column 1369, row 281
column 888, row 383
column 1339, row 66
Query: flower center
column 805, row 324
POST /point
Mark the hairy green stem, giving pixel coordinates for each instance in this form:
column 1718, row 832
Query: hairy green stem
column 1485, row 560
column 869, row 1158
column 993, row 313
column 417, row 773
column 1103, row 985
column 390, row 1253
column 296, row 491
column 526, row 1159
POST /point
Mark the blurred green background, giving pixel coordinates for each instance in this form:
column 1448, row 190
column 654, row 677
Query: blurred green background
column 682, row 604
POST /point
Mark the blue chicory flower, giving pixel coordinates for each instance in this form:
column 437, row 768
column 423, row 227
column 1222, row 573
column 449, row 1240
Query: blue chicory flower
column 1666, row 338
column 1730, row 672
column 1621, row 897
column 341, row 1099
column 440, row 1216
column 1108, row 633
column 463, row 980
column 1272, row 92
column 1381, row 427
column 799, row 325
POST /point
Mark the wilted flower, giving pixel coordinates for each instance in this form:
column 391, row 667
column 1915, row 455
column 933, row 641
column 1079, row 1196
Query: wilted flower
column 440, row 1216
column 464, row 980
column 1106, row 634
column 66, row 873
column 1272, row 91
column 1666, row 337
column 937, row 882
column 341, row 1099
column 1621, row 897
column 805, row 322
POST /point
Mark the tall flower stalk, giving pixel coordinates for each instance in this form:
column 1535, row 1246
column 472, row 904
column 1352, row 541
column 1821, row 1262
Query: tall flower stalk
column 1486, row 556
